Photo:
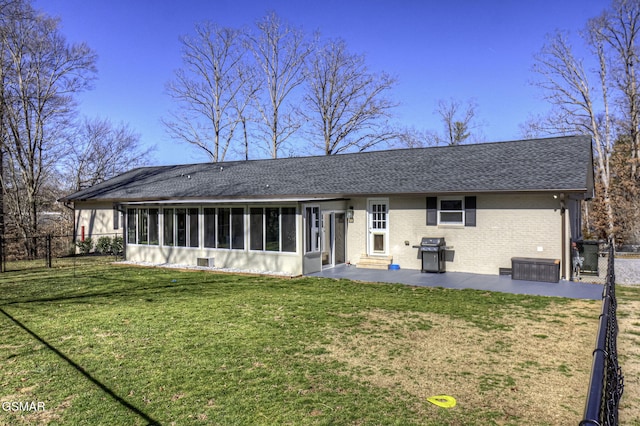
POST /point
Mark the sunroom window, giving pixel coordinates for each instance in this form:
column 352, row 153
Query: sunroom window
column 185, row 226
column 142, row 226
column 272, row 229
column 224, row 228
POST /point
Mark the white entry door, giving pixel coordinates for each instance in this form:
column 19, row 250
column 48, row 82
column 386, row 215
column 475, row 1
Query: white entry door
column 378, row 223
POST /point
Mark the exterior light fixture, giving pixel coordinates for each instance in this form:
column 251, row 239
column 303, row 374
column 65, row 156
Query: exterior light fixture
column 350, row 214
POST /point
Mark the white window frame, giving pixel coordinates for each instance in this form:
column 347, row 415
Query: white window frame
column 440, row 211
column 280, row 229
column 378, row 218
column 186, row 208
column 138, row 225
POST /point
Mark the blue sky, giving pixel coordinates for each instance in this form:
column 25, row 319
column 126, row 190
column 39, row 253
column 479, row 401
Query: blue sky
column 458, row 49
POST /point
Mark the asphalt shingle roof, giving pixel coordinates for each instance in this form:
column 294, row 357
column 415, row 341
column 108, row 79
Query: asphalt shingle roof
column 560, row 164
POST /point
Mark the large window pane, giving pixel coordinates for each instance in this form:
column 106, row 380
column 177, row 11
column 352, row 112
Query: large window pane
column 272, row 218
column 193, row 228
column 451, row 217
column 312, row 230
column 256, row 228
column 237, row 228
column 289, row 229
column 450, row 204
column 168, row 227
column 153, row 226
column 131, row 226
column 210, row 227
column 181, row 225
column 143, row 226
column 224, row 228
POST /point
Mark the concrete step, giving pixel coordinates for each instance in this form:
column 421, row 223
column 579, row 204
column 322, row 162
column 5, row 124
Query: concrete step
column 374, row 262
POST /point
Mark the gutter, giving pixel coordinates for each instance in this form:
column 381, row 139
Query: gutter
column 583, row 193
column 563, row 238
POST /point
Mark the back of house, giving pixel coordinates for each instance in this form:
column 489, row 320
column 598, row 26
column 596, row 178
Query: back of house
column 489, row 202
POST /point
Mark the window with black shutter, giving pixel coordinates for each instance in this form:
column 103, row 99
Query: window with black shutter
column 469, row 211
column 451, row 211
column 432, row 211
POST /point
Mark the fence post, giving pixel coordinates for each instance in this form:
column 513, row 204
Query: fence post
column 48, row 240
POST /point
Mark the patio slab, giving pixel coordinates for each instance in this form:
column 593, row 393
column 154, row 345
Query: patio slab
column 461, row 280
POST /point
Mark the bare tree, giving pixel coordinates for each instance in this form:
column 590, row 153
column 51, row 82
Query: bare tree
column 242, row 106
column 280, row 52
column 41, row 73
column 347, row 103
column 457, row 120
column 545, row 125
column 618, row 29
column 8, row 12
column 211, row 90
column 100, row 150
column 568, row 88
column 411, row 137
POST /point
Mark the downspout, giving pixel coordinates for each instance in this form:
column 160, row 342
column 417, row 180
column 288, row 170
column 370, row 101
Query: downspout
column 563, row 239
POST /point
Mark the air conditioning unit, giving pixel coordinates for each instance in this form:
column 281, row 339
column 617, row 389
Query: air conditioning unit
column 206, row 261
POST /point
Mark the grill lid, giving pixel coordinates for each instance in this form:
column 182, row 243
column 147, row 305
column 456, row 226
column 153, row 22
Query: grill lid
column 432, row 242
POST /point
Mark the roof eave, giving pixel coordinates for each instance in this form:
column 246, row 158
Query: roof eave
column 319, row 197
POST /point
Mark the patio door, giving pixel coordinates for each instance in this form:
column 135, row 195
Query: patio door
column 333, row 238
column 378, row 224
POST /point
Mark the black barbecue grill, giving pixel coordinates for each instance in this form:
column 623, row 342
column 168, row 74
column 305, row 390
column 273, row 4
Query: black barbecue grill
column 432, row 251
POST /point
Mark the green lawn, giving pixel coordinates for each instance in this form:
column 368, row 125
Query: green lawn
column 101, row 344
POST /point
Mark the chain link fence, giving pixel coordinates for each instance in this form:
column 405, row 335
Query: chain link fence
column 607, row 381
column 49, row 251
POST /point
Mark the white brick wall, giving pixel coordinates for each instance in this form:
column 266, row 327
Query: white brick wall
column 507, row 226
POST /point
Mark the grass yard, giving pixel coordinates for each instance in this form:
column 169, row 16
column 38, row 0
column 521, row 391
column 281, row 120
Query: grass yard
column 629, row 352
column 100, row 344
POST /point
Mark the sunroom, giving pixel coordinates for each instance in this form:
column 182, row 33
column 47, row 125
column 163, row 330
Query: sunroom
column 247, row 236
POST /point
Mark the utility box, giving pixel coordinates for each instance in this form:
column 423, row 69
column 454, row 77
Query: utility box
column 588, row 250
column 533, row 269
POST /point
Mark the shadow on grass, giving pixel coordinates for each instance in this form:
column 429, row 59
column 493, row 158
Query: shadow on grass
column 136, row 291
column 91, row 286
column 105, row 389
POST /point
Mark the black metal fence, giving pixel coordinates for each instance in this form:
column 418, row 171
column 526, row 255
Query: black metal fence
column 607, row 381
column 46, row 251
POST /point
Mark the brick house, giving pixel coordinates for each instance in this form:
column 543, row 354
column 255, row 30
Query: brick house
column 491, row 202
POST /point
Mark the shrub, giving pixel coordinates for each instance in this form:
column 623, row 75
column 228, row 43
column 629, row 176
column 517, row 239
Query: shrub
column 104, row 245
column 117, row 244
column 85, row 246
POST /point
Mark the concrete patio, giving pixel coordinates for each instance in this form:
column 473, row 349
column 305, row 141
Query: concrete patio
column 460, row 280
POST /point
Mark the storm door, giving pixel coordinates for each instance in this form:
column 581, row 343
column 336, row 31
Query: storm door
column 378, row 226
column 312, row 258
